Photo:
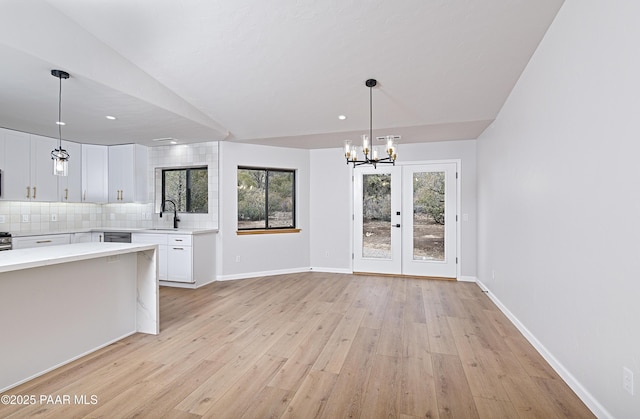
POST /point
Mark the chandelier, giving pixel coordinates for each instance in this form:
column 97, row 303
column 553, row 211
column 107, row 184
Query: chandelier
column 371, row 153
column 59, row 155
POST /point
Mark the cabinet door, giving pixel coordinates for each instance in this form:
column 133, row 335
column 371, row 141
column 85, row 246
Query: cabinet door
column 41, row 241
column 121, row 158
column 162, row 262
column 179, row 263
column 161, row 241
column 95, row 164
column 15, row 173
column 44, row 184
column 84, row 237
column 70, row 186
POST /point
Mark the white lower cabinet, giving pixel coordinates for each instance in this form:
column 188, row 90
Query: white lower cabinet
column 84, row 237
column 161, row 241
column 182, row 258
column 179, row 258
column 40, row 241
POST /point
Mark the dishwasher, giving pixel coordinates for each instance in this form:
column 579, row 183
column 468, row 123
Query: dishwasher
column 117, row 237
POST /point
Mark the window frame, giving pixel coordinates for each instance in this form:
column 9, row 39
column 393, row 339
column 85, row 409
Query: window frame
column 188, row 171
column 266, row 228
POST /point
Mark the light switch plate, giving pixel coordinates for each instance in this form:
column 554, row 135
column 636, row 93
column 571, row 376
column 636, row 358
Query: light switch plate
column 1, row 219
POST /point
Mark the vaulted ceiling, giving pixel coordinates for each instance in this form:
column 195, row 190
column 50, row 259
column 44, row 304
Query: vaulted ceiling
column 275, row 72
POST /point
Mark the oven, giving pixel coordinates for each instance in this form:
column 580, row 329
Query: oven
column 5, row 241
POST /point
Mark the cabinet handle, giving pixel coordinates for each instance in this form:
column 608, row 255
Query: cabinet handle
column 43, row 241
column 121, row 194
column 178, row 240
column 84, row 195
column 34, row 192
column 178, row 248
column 28, row 192
column 66, row 194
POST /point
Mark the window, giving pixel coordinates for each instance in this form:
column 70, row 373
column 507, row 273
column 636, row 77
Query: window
column 188, row 187
column 266, row 198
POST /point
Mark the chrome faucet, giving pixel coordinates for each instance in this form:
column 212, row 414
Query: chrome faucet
column 175, row 212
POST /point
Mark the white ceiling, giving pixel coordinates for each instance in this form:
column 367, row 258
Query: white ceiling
column 273, row 72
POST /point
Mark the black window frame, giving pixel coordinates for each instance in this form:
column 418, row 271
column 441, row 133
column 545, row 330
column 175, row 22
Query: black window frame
column 266, row 198
column 188, row 171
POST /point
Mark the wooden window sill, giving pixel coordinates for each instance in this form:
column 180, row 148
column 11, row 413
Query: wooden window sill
column 268, row 231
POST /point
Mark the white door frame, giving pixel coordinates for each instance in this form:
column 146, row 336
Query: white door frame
column 458, row 205
column 378, row 265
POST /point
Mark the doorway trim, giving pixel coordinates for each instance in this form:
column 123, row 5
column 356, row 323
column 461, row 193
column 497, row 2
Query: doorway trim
column 459, row 171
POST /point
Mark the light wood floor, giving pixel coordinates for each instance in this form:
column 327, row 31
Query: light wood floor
column 315, row 345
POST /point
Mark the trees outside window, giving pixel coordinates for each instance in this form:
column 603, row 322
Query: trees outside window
column 266, row 198
column 187, row 187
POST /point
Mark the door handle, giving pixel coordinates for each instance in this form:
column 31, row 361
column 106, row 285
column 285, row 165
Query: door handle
column 397, row 225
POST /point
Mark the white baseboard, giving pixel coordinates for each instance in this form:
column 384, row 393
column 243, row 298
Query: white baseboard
column 177, row 284
column 584, row 395
column 264, row 273
column 463, row 278
column 330, row 270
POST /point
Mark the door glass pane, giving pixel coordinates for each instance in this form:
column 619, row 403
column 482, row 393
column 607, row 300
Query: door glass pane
column 428, row 216
column 376, row 216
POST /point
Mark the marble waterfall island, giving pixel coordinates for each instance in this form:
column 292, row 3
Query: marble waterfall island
column 60, row 303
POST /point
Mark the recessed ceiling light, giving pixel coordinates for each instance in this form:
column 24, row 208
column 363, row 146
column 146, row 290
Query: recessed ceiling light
column 60, row 123
column 110, row 117
column 342, row 117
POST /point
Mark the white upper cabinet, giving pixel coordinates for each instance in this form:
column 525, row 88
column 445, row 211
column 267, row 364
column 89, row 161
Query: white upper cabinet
column 16, row 152
column 128, row 173
column 27, row 168
column 44, row 184
column 70, row 186
column 95, row 164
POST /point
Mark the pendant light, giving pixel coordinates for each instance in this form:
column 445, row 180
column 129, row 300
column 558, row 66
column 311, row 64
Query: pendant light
column 59, row 155
column 370, row 152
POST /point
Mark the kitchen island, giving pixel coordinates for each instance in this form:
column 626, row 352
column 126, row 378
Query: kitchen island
column 60, row 303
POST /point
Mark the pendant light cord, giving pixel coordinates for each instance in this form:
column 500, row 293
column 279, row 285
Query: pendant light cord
column 60, row 114
column 371, row 121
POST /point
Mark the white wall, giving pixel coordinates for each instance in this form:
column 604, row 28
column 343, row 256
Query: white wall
column 557, row 195
column 261, row 254
column 331, row 202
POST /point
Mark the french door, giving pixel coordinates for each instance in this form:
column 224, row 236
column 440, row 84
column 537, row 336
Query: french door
column 405, row 220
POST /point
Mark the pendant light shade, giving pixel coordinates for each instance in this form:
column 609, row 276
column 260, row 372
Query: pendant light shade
column 60, row 156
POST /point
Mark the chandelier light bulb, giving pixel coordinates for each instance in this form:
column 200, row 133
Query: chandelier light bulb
column 347, row 148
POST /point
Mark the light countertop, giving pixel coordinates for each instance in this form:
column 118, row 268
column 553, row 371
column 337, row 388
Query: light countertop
column 180, row 230
column 51, row 255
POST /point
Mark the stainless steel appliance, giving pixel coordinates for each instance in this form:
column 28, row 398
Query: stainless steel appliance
column 117, row 236
column 5, row 241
